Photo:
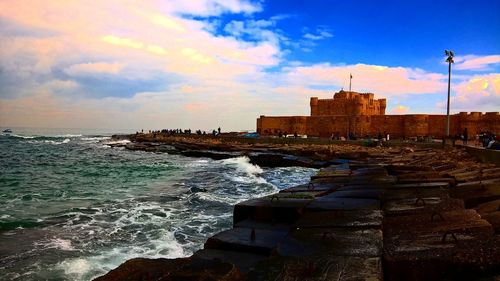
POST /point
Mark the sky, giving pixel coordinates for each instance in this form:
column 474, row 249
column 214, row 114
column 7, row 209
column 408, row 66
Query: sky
column 202, row 64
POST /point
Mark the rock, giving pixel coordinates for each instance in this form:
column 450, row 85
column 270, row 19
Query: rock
column 144, row 269
column 205, row 270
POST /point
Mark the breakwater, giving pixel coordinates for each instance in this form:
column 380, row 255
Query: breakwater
column 372, row 214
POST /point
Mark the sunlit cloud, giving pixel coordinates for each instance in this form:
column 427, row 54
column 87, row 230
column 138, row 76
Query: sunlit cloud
column 481, row 91
column 382, row 80
column 400, row 109
column 472, row 62
column 168, row 23
column 127, row 42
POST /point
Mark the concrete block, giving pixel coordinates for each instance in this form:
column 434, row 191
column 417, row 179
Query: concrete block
column 421, row 185
column 427, row 230
column 255, row 241
column 366, row 194
column 244, row 261
column 270, row 208
column 341, row 218
column 318, row 269
column 475, row 193
column 331, row 242
column 472, row 259
column 419, row 205
column 327, row 203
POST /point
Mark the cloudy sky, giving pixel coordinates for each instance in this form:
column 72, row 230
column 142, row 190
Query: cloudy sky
column 209, row 63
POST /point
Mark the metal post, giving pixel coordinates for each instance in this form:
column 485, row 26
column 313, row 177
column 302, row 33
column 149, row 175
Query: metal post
column 448, row 107
column 449, row 60
column 350, row 78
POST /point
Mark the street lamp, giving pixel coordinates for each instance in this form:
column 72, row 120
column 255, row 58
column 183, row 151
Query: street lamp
column 449, row 60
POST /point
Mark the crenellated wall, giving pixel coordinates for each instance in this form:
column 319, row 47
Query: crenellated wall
column 362, row 115
column 397, row 126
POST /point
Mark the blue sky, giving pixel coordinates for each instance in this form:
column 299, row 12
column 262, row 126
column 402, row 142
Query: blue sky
column 209, row 63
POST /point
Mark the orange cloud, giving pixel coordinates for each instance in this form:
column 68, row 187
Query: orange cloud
column 127, row 42
column 482, row 91
column 400, row 109
column 194, row 107
column 383, row 80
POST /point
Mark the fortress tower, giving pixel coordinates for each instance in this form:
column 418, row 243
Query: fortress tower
column 348, row 103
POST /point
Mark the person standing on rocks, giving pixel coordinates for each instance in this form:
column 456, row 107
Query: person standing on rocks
column 466, row 136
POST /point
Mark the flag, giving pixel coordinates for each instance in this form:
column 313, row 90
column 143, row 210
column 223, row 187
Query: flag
column 351, row 76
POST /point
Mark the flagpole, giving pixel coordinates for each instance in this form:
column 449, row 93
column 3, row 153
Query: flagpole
column 350, row 78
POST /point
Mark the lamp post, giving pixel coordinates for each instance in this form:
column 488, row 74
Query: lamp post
column 449, row 60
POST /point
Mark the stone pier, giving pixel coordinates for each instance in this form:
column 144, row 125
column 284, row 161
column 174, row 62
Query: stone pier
column 418, row 215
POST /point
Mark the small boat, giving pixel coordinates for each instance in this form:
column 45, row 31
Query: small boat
column 7, row 131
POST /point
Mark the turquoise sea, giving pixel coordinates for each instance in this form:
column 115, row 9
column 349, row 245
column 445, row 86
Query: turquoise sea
column 73, row 208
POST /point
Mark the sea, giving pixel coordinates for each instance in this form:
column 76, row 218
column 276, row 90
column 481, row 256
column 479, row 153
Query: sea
column 73, row 208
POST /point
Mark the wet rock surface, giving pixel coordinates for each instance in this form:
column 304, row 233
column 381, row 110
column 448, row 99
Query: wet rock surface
column 369, row 214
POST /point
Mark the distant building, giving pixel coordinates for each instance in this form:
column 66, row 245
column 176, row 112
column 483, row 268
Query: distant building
column 361, row 115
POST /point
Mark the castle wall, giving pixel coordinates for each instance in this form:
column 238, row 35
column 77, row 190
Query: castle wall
column 361, row 114
column 398, row 126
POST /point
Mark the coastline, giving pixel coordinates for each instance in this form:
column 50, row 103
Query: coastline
column 370, row 201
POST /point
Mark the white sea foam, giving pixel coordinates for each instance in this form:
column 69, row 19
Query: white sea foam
column 76, row 269
column 243, row 164
column 247, row 179
column 67, row 136
column 61, row 244
column 117, row 142
column 95, row 139
column 67, row 140
column 88, row 268
column 23, row 137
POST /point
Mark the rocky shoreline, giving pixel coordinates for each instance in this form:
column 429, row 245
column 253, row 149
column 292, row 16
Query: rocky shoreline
column 371, row 213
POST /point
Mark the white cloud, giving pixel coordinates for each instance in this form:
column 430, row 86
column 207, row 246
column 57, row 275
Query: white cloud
column 473, row 62
column 479, row 93
column 94, row 68
column 320, row 34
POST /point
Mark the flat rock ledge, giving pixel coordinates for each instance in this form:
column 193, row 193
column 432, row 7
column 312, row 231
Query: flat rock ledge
column 368, row 214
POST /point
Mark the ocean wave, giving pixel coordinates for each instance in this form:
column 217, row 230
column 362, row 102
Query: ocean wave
column 50, row 141
column 116, row 142
column 96, row 139
column 243, row 164
column 22, row 137
column 42, row 138
column 61, row 244
column 67, row 136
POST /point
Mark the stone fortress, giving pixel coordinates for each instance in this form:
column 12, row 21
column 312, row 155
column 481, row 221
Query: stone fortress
column 362, row 115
